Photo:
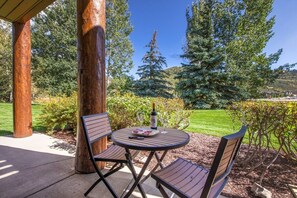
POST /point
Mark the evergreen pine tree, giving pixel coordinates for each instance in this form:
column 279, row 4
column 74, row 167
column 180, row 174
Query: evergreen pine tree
column 152, row 75
column 203, row 81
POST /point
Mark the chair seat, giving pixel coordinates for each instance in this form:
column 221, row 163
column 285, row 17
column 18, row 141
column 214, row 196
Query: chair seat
column 186, row 178
column 114, row 153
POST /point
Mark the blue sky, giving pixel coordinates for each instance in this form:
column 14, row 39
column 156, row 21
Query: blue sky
column 167, row 17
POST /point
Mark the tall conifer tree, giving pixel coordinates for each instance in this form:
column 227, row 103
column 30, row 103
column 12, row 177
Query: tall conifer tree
column 152, row 75
column 203, row 81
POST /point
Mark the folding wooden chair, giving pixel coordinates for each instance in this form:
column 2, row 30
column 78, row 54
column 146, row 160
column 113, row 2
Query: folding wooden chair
column 189, row 180
column 97, row 126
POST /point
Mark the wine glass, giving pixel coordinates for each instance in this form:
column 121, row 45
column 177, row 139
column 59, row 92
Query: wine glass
column 177, row 118
column 164, row 121
column 140, row 117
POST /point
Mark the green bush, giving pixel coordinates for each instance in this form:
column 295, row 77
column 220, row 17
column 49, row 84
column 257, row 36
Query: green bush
column 123, row 111
column 61, row 112
column 272, row 125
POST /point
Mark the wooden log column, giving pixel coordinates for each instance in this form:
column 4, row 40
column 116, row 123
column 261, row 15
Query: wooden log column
column 22, row 112
column 91, row 73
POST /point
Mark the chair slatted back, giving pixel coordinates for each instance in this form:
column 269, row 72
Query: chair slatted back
column 223, row 162
column 96, row 126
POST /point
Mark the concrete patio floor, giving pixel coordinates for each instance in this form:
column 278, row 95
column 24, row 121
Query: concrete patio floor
column 41, row 166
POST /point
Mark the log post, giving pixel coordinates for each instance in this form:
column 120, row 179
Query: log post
column 22, row 113
column 91, row 73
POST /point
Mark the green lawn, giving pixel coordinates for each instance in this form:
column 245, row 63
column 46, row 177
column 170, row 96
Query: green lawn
column 216, row 123
column 212, row 122
column 6, row 119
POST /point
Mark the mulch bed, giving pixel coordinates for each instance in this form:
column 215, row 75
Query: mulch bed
column 202, row 149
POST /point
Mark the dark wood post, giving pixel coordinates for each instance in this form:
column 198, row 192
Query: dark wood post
column 22, row 113
column 91, row 73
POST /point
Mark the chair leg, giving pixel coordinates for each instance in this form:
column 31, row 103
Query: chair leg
column 110, row 172
column 106, row 183
column 91, row 188
column 162, row 191
column 115, row 164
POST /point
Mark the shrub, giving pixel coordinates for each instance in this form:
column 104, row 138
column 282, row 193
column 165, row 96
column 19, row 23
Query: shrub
column 123, row 111
column 61, row 112
column 272, row 125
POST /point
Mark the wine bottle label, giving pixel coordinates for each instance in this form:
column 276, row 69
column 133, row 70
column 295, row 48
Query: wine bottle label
column 153, row 121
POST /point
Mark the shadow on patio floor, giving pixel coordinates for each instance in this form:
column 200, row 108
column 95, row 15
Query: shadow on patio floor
column 40, row 166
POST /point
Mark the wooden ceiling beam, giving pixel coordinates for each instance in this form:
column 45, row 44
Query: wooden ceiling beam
column 2, row 2
column 35, row 10
column 24, row 7
column 9, row 6
column 21, row 10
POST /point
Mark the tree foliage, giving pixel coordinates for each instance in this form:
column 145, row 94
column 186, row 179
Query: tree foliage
column 203, row 81
column 224, row 50
column 119, row 48
column 55, row 52
column 152, row 75
column 54, row 48
column 5, row 62
column 244, row 28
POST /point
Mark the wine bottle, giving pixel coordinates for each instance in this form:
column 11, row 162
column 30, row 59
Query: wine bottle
column 154, row 117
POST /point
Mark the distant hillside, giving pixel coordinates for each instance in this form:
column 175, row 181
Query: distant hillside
column 172, row 71
column 286, row 83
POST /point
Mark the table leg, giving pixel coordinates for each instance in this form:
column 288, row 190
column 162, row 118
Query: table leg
column 159, row 163
column 138, row 177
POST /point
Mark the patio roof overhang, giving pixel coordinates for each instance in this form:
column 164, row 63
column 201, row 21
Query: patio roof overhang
column 21, row 10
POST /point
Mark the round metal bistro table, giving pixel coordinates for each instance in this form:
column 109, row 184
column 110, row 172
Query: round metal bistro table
column 172, row 139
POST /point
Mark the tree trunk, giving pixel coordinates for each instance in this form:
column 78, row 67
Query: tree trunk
column 91, row 73
column 22, row 79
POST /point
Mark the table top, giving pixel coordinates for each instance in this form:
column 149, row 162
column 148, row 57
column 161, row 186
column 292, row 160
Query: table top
column 174, row 138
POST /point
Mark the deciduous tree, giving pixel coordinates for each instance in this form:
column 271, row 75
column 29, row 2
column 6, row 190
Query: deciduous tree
column 244, row 28
column 119, row 48
column 5, row 62
column 54, row 48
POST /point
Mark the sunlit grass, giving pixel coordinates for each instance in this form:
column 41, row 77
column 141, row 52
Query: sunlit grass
column 212, row 122
column 6, row 118
column 217, row 123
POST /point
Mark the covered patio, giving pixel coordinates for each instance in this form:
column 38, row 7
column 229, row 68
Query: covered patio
column 91, row 67
column 45, row 169
column 36, row 165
